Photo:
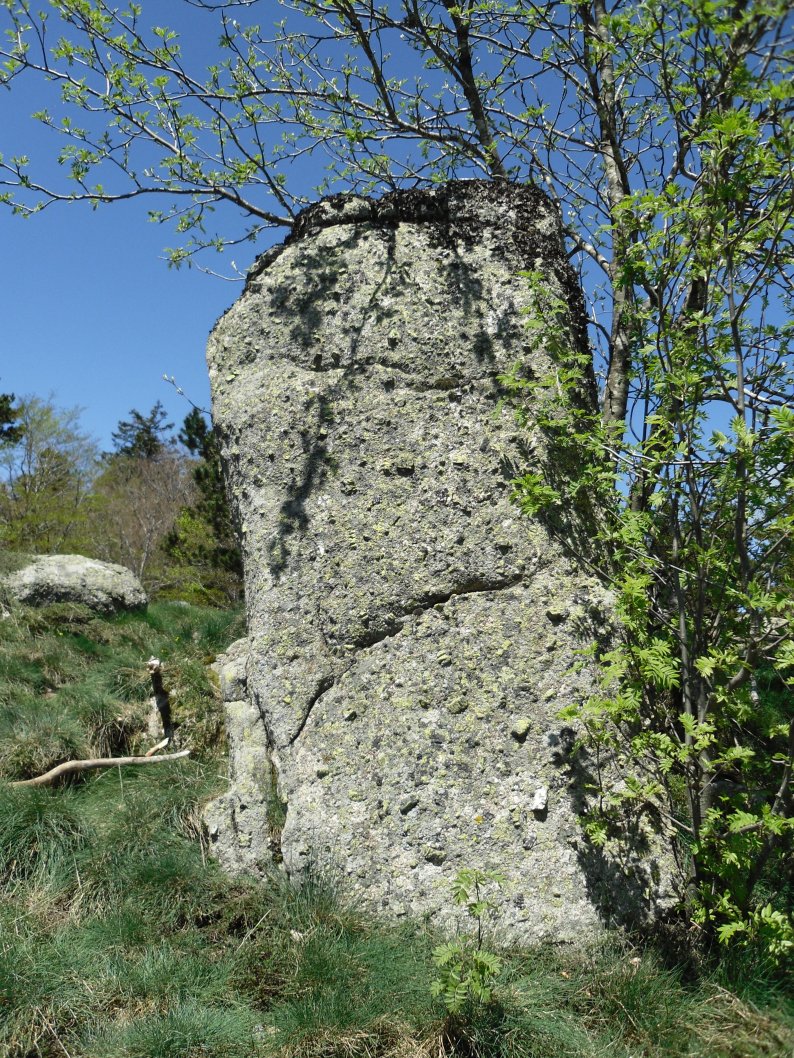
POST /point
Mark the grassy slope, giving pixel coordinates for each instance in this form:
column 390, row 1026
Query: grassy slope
column 118, row 938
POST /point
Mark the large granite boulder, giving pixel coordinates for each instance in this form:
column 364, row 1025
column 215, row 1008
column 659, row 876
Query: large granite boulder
column 412, row 637
column 102, row 586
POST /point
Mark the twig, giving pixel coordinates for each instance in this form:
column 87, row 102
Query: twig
column 98, row 762
column 55, row 1036
column 251, row 931
column 156, row 749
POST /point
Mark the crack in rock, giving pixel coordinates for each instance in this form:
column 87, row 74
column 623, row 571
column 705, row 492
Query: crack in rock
column 428, row 602
column 325, row 685
column 395, row 626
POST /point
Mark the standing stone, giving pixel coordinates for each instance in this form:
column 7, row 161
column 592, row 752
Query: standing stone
column 412, row 636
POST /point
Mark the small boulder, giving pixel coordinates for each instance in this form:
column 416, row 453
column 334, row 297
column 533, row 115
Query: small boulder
column 102, row 586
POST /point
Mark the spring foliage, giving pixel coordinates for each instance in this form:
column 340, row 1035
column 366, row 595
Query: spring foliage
column 698, row 521
column 467, row 969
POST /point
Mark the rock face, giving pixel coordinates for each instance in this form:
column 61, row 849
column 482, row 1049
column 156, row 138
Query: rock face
column 241, row 823
column 102, row 586
column 412, row 636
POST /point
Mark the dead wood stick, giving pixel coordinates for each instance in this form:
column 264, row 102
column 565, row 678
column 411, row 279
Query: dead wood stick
column 161, row 698
column 156, row 749
column 98, row 762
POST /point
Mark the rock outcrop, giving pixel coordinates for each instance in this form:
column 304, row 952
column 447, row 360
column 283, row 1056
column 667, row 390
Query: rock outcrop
column 242, row 823
column 412, row 637
column 102, row 586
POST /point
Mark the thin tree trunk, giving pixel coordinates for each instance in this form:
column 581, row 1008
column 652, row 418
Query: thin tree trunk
column 601, row 78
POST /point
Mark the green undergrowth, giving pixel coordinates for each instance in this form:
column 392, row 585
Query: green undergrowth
column 11, row 561
column 120, row 938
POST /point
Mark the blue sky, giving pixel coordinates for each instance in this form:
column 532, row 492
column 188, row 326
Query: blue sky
column 91, row 313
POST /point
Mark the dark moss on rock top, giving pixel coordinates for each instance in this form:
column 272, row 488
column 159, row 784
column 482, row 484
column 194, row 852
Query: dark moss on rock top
column 459, row 211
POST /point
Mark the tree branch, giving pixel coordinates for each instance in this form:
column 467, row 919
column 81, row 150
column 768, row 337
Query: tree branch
column 71, row 766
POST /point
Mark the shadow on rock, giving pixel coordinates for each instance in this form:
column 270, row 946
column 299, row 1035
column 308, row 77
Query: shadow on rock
column 622, row 874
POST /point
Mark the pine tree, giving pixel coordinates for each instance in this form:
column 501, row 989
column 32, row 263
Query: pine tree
column 203, row 538
column 144, row 436
column 10, row 430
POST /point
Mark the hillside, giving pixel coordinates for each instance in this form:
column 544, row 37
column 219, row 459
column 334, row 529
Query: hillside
column 119, row 938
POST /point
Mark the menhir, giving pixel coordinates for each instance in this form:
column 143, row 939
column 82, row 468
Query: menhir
column 412, row 637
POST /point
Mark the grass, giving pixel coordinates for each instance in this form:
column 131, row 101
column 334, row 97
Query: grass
column 11, row 561
column 120, row 939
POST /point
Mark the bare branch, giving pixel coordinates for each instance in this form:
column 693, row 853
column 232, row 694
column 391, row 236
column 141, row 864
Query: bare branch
column 72, row 766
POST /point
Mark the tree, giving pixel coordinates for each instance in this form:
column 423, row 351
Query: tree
column 203, row 540
column 199, row 438
column 10, row 431
column 663, row 129
column 144, row 436
column 137, row 502
column 138, row 496
column 47, row 467
column 163, row 514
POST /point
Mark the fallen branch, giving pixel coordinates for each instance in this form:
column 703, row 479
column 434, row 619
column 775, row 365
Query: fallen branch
column 99, row 762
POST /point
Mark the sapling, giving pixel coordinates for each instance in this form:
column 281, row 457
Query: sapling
column 467, row 970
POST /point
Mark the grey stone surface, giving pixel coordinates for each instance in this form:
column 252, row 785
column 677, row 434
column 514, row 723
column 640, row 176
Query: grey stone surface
column 239, row 822
column 412, row 636
column 102, row 586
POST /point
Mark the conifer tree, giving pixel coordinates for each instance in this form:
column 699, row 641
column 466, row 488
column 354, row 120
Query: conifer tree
column 10, row 430
column 144, row 436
